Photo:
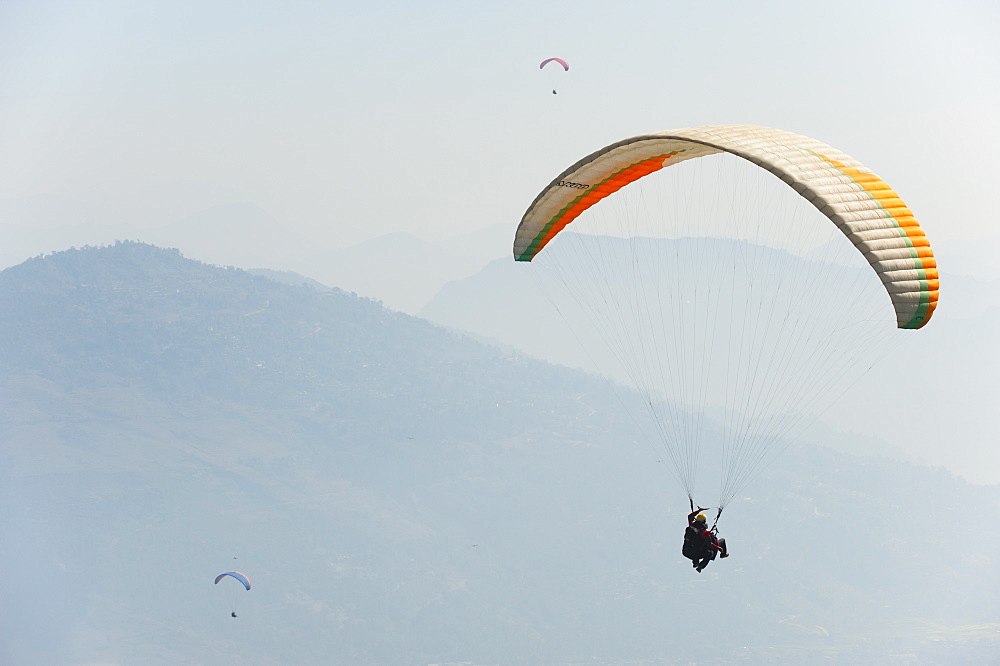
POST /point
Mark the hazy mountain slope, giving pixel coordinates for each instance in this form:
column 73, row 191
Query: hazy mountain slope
column 402, row 494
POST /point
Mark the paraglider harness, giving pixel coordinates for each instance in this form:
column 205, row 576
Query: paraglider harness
column 698, row 549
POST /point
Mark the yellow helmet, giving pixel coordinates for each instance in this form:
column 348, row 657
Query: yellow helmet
column 700, row 518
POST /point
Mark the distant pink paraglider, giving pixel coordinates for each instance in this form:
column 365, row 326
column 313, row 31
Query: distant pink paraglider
column 565, row 66
column 562, row 62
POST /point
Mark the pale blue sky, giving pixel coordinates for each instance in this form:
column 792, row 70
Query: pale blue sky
column 345, row 121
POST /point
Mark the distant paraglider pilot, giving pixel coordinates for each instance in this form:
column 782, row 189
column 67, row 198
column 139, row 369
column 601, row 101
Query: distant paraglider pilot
column 241, row 577
column 700, row 543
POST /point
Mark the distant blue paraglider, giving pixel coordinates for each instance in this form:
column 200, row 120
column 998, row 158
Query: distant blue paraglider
column 237, row 575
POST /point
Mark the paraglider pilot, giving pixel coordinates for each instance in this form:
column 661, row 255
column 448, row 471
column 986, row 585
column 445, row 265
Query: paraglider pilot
column 700, row 544
column 233, row 613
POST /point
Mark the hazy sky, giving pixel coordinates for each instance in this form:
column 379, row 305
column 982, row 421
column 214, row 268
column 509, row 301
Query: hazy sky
column 344, row 121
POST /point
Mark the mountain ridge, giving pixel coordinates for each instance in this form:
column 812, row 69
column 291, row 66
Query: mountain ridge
column 450, row 502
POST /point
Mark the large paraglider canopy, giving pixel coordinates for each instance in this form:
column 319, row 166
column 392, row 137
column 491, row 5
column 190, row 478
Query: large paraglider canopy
column 731, row 302
column 861, row 204
column 237, row 575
